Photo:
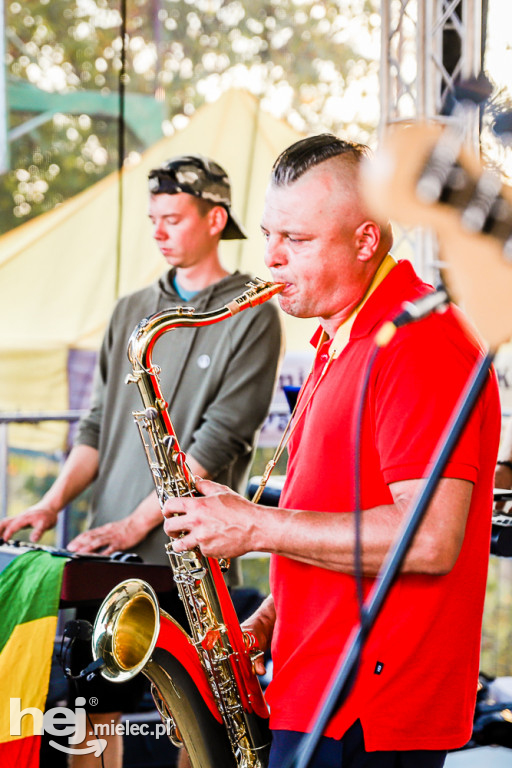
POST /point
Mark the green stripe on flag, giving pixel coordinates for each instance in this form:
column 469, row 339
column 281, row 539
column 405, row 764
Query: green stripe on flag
column 29, row 589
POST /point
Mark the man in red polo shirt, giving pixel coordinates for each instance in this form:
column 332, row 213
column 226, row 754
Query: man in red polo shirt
column 414, row 695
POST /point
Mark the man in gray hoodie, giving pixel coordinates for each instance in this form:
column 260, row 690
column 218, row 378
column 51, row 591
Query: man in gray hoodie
column 218, row 379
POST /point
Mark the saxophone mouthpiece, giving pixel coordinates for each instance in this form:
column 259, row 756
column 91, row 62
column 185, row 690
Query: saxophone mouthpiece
column 258, row 292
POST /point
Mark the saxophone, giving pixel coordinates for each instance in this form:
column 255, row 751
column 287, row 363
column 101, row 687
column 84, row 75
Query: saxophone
column 203, row 683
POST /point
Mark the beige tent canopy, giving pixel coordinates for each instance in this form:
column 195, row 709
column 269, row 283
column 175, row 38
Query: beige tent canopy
column 58, row 272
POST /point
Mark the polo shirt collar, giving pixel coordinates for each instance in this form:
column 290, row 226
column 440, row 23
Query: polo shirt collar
column 402, row 284
column 342, row 335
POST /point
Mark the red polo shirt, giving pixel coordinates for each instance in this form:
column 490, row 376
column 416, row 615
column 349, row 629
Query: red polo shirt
column 416, row 685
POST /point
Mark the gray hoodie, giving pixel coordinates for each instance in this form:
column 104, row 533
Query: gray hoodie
column 217, row 379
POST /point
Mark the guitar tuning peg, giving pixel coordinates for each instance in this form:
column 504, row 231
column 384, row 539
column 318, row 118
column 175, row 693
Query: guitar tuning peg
column 502, row 126
column 474, row 89
column 470, row 92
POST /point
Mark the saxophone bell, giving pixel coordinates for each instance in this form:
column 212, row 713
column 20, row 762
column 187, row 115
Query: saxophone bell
column 133, row 634
column 126, row 630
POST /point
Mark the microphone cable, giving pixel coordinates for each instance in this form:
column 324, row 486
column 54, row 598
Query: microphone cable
column 357, row 430
column 79, row 629
column 303, row 753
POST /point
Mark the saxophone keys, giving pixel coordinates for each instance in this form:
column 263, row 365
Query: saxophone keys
column 171, row 728
column 210, row 639
column 253, row 657
column 250, row 641
column 185, row 310
column 175, row 735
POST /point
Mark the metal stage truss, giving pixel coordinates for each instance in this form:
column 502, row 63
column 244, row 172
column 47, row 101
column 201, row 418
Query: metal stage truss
column 426, row 45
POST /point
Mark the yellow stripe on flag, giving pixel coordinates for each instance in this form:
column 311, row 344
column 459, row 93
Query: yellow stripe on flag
column 25, row 664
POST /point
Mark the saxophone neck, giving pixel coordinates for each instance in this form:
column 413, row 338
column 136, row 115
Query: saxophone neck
column 149, row 330
column 257, row 293
column 171, row 474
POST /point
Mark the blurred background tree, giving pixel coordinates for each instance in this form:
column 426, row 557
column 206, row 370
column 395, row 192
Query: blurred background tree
column 70, row 78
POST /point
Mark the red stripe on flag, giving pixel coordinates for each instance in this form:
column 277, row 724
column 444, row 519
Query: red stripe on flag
column 22, row 753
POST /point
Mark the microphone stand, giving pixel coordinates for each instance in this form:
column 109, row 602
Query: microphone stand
column 346, row 671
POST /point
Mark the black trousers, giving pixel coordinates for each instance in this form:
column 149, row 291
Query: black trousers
column 349, row 752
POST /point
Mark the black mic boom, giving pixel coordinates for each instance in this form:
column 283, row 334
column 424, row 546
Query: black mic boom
column 411, row 312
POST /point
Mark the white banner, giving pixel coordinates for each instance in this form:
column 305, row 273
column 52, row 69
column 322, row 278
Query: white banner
column 294, row 370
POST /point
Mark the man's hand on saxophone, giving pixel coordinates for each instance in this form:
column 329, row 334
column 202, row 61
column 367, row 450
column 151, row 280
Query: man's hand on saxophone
column 222, row 524
column 219, row 522
column 261, row 626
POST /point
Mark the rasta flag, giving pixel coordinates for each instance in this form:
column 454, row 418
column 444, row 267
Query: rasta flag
column 29, row 599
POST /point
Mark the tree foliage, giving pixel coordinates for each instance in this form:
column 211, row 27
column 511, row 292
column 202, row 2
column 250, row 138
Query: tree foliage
column 310, row 61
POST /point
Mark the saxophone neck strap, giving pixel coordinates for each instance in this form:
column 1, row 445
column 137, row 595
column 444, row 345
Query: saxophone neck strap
column 338, row 344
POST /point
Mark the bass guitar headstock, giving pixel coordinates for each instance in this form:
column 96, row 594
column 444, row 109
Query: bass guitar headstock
column 423, row 176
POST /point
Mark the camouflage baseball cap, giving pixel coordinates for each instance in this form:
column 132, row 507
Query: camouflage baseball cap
column 197, row 175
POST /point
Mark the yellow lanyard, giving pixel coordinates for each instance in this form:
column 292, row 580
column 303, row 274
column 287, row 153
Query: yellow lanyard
column 338, row 344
